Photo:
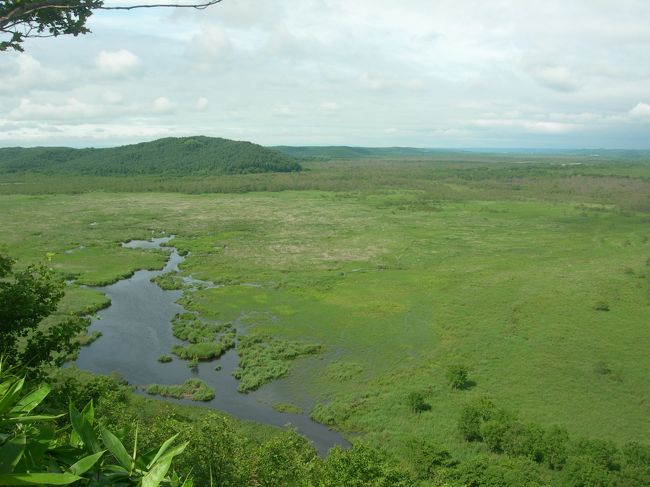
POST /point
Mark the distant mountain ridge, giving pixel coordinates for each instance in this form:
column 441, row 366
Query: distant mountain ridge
column 198, row 155
column 349, row 152
column 334, row 152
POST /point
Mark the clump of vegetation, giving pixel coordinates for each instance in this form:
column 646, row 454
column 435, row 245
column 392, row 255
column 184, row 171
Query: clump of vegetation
column 601, row 306
column 208, row 341
column 458, row 376
column 164, row 359
column 342, row 371
column 602, row 368
column 416, row 404
column 84, row 338
column 205, row 351
column 263, row 358
column 582, row 461
column 194, row 389
column 168, row 281
column 188, row 327
column 284, row 407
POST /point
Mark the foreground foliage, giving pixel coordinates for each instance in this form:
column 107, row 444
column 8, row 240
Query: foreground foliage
column 34, row 451
column 28, row 296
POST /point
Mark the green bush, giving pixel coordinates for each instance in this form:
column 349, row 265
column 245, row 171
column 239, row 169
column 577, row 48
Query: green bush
column 524, row 440
column 427, row 457
column 601, row 306
column 494, row 430
column 360, row 466
column 458, row 376
column 582, row 471
column 416, row 404
column 555, row 444
column 472, row 416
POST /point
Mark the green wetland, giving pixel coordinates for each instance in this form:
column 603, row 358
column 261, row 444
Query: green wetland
column 388, row 298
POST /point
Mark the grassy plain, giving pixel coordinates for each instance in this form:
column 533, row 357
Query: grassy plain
column 399, row 270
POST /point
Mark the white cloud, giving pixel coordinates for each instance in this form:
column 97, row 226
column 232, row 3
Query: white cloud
column 202, row 103
column 641, row 110
column 210, row 46
column 71, row 108
column 117, row 62
column 557, row 78
column 163, row 104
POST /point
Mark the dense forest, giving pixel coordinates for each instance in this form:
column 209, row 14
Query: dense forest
column 170, row 156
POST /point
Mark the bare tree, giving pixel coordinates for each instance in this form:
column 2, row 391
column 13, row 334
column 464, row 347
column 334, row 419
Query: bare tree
column 23, row 19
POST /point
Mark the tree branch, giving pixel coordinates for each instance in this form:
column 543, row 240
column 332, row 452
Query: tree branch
column 200, row 6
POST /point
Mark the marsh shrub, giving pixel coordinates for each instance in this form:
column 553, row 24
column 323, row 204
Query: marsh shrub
column 285, row 459
column 458, row 376
column 494, row 430
column 524, row 440
column 360, row 466
column 601, row 368
column 472, row 416
column 496, row 472
column 416, row 402
column 427, row 457
column 601, row 306
column 556, row 442
column 582, row 472
column 601, row 452
column 637, row 454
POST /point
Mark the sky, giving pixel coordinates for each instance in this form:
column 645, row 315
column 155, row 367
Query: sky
column 420, row 73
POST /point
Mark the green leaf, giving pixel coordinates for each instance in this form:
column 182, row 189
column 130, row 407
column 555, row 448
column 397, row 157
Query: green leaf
column 11, row 452
column 85, row 464
column 31, row 400
column 41, row 479
column 116, row 448
column 157, row 473
column 88, row 412
column 84, row 429
column 162, row 450
column 29, row 419
column 11, row 394
column 173, row 452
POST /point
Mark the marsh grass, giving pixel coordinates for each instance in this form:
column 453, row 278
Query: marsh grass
column 194, row 389
column 401, row 267
column 283, row 407
column 207, row 341
column 263, row 358
column 343, row 371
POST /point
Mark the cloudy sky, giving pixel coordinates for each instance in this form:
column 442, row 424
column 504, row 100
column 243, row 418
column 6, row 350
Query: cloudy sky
column 426, row 73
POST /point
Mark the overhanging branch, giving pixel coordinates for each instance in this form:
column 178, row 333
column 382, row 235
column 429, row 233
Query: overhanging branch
column 200, row 6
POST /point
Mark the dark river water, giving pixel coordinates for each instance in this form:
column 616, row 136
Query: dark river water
column 136, row 330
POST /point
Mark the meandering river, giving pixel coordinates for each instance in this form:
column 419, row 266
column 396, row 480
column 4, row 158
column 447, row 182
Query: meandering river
column 136, row 330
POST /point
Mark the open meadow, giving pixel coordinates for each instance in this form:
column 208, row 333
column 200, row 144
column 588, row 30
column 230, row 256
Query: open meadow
column 532, row 275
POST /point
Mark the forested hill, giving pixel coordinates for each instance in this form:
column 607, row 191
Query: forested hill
column 169, row 156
